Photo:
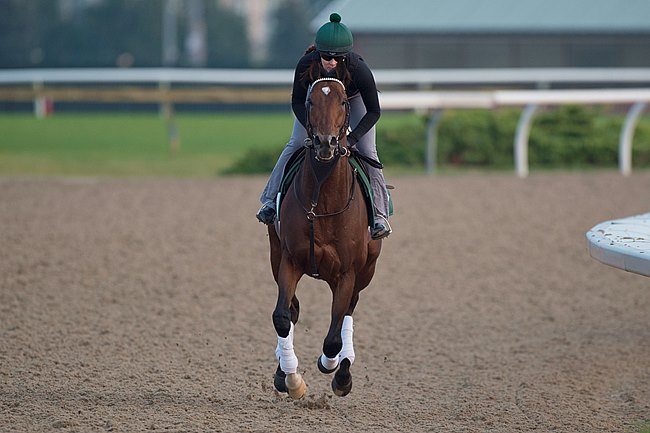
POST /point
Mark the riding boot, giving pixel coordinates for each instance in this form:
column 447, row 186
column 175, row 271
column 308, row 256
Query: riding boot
column 381, row 228
column 266, row 214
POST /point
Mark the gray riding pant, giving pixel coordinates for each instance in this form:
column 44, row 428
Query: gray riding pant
column 366, row 147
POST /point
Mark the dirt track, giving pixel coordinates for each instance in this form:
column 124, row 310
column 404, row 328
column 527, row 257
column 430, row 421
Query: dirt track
column 144, row 305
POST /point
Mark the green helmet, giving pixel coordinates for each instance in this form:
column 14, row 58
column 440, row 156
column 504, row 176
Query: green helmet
column 334, row 38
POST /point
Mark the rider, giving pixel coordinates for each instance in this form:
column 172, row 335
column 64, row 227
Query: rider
column 332, row 56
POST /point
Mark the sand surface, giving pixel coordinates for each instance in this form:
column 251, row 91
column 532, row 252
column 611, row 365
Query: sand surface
column 145, row 305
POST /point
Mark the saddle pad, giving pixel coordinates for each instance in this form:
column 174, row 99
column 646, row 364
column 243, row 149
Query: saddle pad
column 296, row 160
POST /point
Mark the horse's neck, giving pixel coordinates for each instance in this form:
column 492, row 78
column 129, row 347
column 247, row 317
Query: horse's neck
column 334, row 188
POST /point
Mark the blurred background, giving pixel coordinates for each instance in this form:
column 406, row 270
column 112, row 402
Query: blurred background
column 210, row 124
column 146, row 33
column 273, row 33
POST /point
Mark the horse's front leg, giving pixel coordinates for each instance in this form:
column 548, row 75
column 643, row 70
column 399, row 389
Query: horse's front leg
column 338, row 349
column 285, row 314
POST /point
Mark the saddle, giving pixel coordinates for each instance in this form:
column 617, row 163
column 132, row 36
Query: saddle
column 358, row 163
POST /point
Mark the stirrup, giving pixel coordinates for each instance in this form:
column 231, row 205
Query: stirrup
column 381, row 229
column 266, row 215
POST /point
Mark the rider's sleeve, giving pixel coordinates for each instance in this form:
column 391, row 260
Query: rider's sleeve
column 299, row 92
column 365, row 82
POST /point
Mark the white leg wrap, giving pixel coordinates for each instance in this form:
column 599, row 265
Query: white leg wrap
column 329, row 363
column 346, row 335
column 285, row 354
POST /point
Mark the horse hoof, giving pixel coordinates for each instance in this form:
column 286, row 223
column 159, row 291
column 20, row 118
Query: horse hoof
column 323, row 369
column 342, row 382
column 296, row 386
column 341, row 389
column 279, row 380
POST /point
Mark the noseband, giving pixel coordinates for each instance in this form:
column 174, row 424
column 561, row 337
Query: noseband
column 314, row 140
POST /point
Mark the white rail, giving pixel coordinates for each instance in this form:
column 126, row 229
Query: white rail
column 531, row 100
column 418, row 77
column 498, row 98
column 148, row 75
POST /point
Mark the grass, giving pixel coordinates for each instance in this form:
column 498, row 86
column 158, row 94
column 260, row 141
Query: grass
column 128, row 144
column 133, row 144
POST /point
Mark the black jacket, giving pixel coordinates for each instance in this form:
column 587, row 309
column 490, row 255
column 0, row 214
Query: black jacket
column 363, row 82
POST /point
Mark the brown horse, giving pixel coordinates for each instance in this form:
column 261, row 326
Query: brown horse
column 322, row 232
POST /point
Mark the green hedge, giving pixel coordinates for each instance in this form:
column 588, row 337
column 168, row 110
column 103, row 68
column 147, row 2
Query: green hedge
column 255, row 161
column 567, row 136
column 477, row 137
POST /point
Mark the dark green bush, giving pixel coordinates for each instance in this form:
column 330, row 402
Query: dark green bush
column 641, row 146
column 255, row 161
column 573, row 135
column 403, row 145
column 477, row 137
column 565, row 136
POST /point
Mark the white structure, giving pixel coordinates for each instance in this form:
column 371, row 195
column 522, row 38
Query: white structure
column 622, row 243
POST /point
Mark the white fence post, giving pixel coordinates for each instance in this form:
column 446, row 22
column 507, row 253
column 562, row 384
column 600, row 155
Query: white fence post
column 521, row 140
column 432, row 141
column 625, row 142
column 40, row 103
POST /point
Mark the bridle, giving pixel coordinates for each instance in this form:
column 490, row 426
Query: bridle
column 325, row 167
column 314, row 140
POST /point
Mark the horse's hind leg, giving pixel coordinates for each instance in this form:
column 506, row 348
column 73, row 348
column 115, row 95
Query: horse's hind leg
column 342, row 382
column 337, row 346
column 294, row 309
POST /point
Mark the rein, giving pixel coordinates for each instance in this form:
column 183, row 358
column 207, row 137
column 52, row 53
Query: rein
column 310, row 213
column 322, row 171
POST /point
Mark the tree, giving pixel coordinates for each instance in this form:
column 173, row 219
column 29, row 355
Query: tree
column 24, row 27
column 291, row 35
column 228, row 45
column 109, row 33
column 100, row 34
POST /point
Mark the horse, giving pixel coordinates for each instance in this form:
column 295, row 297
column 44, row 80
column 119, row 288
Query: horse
column 322, row 231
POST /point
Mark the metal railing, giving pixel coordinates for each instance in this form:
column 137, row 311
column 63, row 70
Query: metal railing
column 420, row 78
column 531, row 100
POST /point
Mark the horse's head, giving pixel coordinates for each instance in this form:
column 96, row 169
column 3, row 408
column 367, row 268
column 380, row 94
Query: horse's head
column 328, row 113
